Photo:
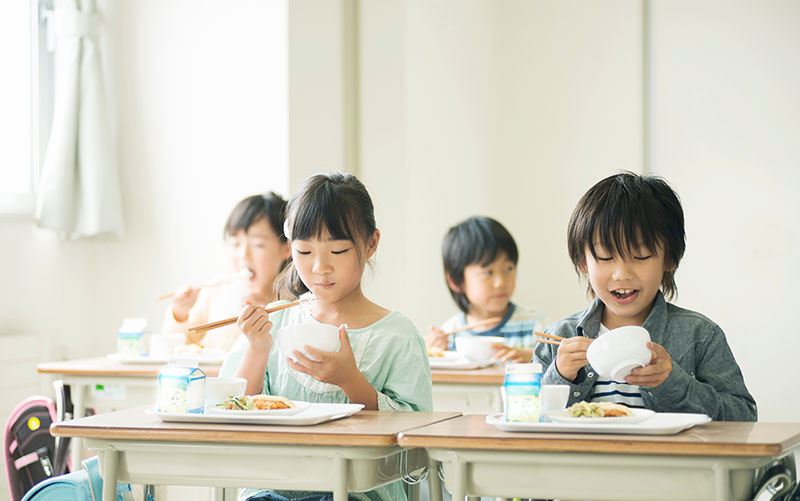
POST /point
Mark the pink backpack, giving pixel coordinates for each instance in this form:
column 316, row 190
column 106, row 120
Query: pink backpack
column 30, row 451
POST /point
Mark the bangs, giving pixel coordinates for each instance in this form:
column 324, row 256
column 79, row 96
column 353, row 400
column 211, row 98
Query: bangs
column 242, row 218
column 623, row 227
column 324, row 210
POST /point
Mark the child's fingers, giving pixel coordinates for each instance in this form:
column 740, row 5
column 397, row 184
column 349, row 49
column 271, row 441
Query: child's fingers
column 297, row 366
column 302, row 359
column 344, row 339
column 315, row 354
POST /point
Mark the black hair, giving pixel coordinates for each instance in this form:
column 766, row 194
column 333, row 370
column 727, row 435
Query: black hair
column 253, row 209
column 626, row 211
column 335, row 202
column 477, row 240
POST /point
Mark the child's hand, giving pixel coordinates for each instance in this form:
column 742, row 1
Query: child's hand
column 436, row 338
column 657, row 372
column 337, row 368
column 505, row 353
column 183, row 300
column 571, row 356
column 254, row 323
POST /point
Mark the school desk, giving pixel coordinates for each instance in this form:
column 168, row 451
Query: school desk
column 475, row 391
column 714, row 461
column 104, row 384
column 357, row 453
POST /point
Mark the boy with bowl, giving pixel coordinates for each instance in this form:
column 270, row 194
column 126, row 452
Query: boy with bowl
column 627, row 236
column 480, row 267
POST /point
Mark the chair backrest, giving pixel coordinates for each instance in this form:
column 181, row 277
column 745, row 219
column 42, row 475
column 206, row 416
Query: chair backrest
column 29, row 449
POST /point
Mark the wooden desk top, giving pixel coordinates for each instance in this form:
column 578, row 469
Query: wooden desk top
column 490, row 376
column 104, row 366
column 716, row 438
column 364, row 428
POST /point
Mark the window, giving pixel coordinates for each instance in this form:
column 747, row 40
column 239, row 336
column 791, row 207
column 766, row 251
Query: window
column 21, row 56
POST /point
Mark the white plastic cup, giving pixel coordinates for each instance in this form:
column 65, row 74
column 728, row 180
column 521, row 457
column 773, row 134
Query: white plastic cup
column 553, row 397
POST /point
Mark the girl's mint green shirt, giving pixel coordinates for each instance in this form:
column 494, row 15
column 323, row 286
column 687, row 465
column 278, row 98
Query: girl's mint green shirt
column 390, row 354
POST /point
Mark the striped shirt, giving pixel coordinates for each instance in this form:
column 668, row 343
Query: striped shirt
column 517, row 327
column 618, row 392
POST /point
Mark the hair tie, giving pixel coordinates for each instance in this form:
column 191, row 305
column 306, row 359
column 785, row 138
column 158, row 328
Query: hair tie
column 286, row 230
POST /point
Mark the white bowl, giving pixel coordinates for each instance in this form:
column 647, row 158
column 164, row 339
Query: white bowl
column 614, row 354
column 477, row 348
column 292, row 338
column 161, row 345
column 218, row 389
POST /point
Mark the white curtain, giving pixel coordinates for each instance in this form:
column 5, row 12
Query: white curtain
column 79, row 194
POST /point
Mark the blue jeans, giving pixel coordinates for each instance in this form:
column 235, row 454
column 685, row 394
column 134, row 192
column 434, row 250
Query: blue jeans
column 277, row 497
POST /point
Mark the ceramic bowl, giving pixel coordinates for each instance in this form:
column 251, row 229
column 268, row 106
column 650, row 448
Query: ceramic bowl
column 614, row 354
column 162, row 345
column 477, row 348
column 218, row 389
column 320, row 336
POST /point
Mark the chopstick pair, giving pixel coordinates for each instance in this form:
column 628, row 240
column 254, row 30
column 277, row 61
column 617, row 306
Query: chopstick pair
column 475, row 325
column 232, row 320
column 548, row 338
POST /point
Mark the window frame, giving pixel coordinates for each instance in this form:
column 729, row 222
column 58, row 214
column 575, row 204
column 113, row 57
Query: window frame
column 23, row 204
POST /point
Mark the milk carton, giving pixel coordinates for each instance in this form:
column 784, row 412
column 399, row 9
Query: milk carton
column 131, row 337
column 181, row 388
column 521, row 389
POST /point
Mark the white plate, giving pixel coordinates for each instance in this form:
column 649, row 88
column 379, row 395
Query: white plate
column 299, row 406
column 453, row 360
column 215, row 357
column 639, row 415
column 315, row 413
column 662, row 423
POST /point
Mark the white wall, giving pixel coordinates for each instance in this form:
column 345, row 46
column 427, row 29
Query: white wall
column 505, row 109
column 201, row 100
column 725, row 129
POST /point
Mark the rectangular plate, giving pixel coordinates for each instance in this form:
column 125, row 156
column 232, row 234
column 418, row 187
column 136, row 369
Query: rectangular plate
column 316, row 413
column 211, row 358
column 662, row 423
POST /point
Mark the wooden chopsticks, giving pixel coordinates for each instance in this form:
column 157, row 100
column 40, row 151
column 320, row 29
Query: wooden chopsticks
column 548, row 338
column 482, row 323
column 232, row 320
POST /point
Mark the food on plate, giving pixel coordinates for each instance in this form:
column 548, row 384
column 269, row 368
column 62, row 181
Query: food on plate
column 187, row 350
column 257, row 402
column 598, row 409
column 436, row 352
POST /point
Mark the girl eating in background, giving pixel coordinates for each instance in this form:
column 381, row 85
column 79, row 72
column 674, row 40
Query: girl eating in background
column 480, row 267
column 381, row 362
column 259, row 251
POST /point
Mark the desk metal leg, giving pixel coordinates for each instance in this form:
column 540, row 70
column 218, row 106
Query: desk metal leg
column 110, row 468
column 434, row 482
column 78, row 394
column 340, row 485
column 460, row 481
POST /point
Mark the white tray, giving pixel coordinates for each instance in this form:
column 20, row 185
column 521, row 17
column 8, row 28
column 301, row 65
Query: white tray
column 456, row 361
column 316, row 413
column 662, row 423
column 203, row 358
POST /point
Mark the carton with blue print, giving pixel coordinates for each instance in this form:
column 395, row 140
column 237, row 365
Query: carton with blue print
column 181, row 388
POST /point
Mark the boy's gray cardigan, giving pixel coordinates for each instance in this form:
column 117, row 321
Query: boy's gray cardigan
column 705, row 377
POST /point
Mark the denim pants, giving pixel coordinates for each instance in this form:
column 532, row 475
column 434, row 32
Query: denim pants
column 277, row 497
